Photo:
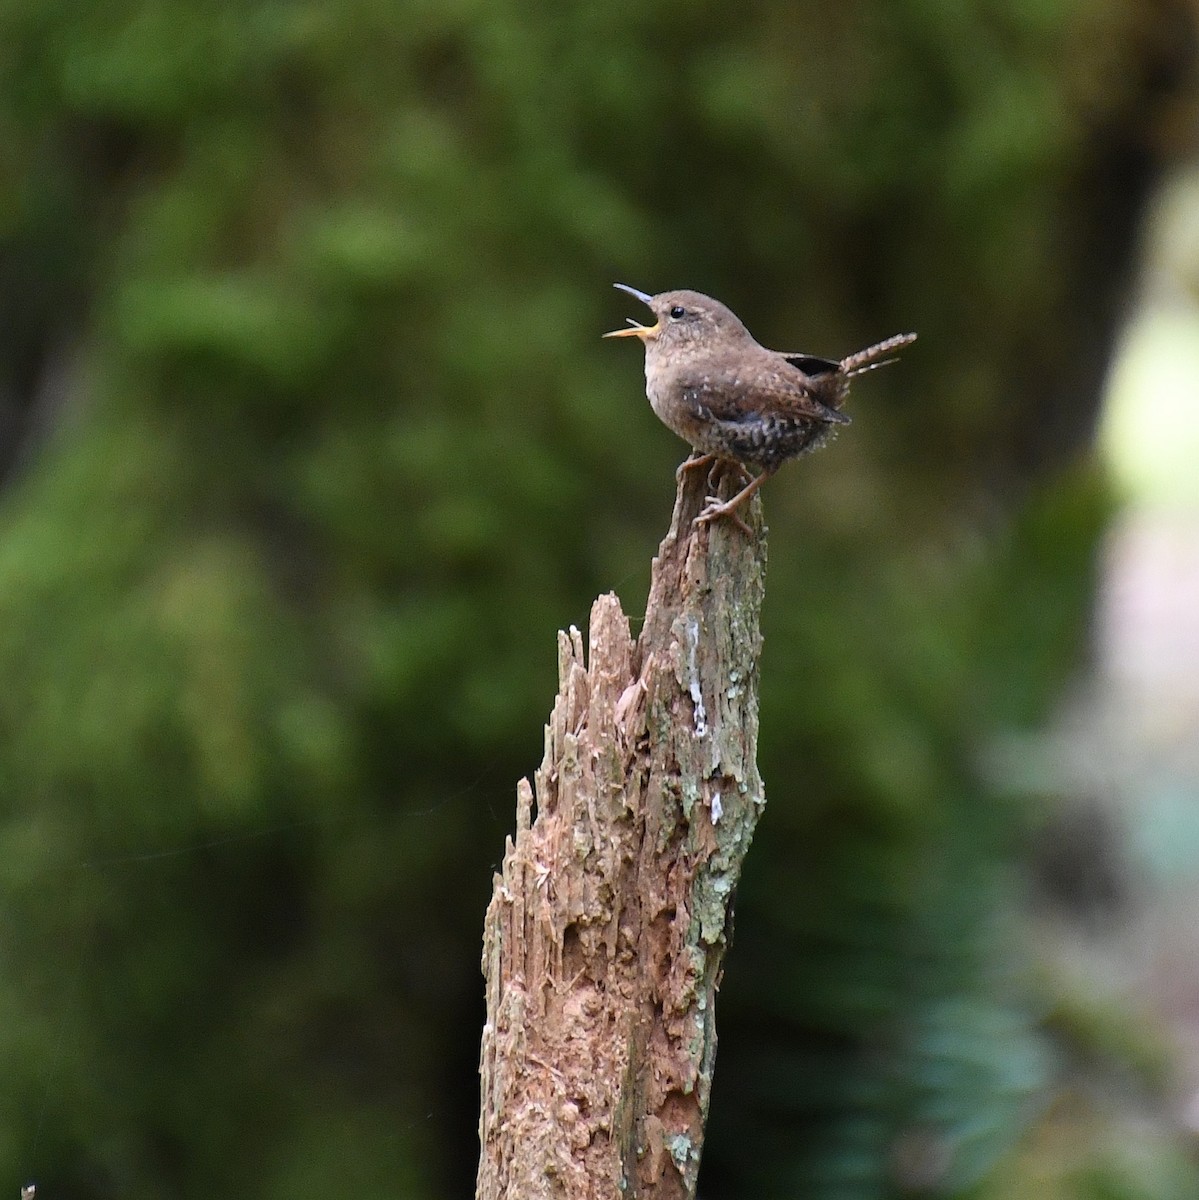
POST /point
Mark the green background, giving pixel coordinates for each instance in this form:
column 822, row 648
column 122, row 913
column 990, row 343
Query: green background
column 308, row 446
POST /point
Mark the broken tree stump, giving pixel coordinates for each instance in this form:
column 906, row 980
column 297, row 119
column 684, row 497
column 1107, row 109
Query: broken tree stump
column 609, row 921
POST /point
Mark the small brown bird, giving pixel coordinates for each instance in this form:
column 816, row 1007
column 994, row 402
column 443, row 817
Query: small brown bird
column 736, row 401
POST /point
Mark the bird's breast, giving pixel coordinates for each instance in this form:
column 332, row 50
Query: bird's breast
column 665, row 398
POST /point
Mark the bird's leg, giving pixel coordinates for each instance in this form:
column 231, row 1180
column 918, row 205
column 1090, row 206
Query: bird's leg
column 703, row 460
column 692, row 463
column 743, row 475
column 728, row 508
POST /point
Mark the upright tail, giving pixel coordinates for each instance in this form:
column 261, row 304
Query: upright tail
column 872, row 356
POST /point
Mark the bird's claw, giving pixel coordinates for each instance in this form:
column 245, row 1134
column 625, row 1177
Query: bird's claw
column 716, row 507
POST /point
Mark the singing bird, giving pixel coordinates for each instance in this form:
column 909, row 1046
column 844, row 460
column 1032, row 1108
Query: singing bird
column 732, row 399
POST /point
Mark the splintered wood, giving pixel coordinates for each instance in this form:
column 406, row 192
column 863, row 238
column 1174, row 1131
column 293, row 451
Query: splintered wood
column 608, row 924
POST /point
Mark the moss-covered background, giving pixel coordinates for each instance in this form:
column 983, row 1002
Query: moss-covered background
column 309, row 444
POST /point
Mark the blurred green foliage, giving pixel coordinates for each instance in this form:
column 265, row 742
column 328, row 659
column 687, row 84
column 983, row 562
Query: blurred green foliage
column 312, row 445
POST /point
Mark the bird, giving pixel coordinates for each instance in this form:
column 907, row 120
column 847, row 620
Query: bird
column 733, row 400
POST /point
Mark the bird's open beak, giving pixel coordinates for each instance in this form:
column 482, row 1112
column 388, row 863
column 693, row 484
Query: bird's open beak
column 637, row 329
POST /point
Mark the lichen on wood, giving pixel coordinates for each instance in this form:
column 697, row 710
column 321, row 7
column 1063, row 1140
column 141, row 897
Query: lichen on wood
column 608, row 924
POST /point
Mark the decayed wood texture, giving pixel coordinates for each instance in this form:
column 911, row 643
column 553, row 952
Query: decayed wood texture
column 608, row 924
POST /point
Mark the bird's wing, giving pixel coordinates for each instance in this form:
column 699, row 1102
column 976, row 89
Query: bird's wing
column 726, row 393
column 810, row 364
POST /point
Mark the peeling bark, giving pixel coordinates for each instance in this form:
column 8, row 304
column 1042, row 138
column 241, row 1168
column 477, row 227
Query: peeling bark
column 609, row 921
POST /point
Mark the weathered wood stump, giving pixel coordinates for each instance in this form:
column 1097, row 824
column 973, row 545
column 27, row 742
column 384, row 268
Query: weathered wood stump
column 609, row 922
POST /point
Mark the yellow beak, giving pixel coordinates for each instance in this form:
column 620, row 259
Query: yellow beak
column 641, row 331
column 644, row 332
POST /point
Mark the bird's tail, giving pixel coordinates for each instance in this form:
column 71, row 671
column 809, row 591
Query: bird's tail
column 873, row 356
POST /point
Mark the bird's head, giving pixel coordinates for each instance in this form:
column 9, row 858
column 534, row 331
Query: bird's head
column 687, row 322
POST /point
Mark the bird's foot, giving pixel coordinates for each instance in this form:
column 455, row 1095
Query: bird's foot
column 693, row 463
column 716, row 507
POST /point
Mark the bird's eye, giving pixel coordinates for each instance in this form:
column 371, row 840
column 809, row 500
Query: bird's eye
column 678, row 313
